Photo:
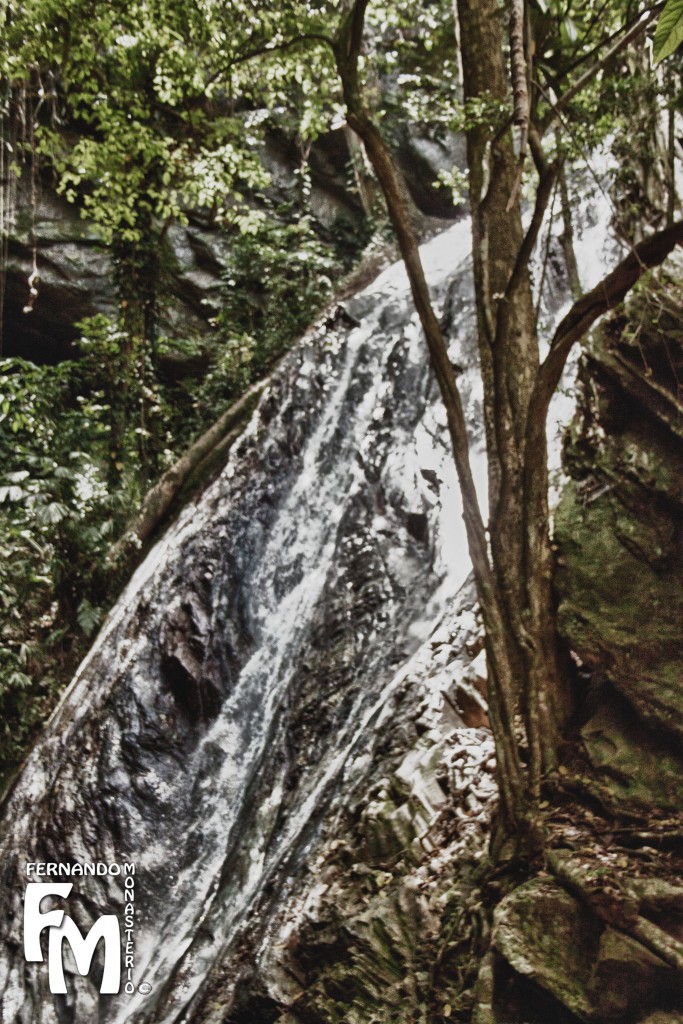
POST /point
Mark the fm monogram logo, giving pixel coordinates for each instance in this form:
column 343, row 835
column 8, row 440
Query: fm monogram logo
column 62, row 929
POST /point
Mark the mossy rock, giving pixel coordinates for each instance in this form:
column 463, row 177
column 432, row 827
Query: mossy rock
column 600, row 975
column 634, row 766
column 550, row 939
column 663, row 1017
column 620, row 557
column 628, row 979
column 620, row 613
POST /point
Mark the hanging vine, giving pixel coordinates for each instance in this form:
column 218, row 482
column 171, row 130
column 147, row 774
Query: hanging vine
column 9, row 173
column 19, row 108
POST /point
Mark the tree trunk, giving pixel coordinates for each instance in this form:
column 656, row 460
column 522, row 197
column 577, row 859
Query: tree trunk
column 508, row 346
column 501, row 667
column 196, row 462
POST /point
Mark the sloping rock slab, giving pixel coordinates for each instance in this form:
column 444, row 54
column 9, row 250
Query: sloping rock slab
column 599, row 974
column 548, row 938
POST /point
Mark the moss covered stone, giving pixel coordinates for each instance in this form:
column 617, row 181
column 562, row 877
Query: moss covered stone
column 620, row 558
column 547, row 937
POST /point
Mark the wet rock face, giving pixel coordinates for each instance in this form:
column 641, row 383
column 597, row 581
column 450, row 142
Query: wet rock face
column 421, row 158
column 239, row 687
column 75, row 279
column 619, row 531
column 367, row 934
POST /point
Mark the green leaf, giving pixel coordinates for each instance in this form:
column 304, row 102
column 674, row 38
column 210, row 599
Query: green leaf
column 89, row 617
column 19, row 681
column 669, row 33
column 52, row 514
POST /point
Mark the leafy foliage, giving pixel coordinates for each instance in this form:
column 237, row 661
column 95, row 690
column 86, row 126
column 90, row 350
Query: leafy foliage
column 159, row 129
column 669, row 34
column 274, row 282
column 53, row 506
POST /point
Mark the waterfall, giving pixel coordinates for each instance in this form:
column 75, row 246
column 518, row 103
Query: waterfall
column 229, row 700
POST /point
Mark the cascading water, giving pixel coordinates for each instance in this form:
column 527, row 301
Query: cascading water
column 227, row 701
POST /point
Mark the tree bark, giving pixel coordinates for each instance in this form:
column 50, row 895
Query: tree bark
column 508, row 346
column 520, row 89
column 160, row 499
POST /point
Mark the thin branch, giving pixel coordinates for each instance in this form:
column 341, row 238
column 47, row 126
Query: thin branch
column 546, row 253
column 593, row 22
column 532, row 139
column 520, row 90
column 543, row 193
column 573, row 65
column 611, row 290
column 596, row 178
column 537, row 151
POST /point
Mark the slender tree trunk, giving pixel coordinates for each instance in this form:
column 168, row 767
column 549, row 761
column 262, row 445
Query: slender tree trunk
column 501, row 668
column 509, row 354
column 567, row 238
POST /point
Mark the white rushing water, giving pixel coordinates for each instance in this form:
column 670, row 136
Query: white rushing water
column 211, row 727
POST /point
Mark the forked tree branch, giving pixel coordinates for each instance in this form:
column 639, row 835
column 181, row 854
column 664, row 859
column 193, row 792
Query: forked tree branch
column 543, row 193
column 610, row 291
column 582, row 315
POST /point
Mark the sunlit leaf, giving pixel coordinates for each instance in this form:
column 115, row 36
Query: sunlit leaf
column 669, row 32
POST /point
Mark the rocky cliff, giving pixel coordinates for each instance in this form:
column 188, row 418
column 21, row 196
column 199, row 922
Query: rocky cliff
column 395, row 913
